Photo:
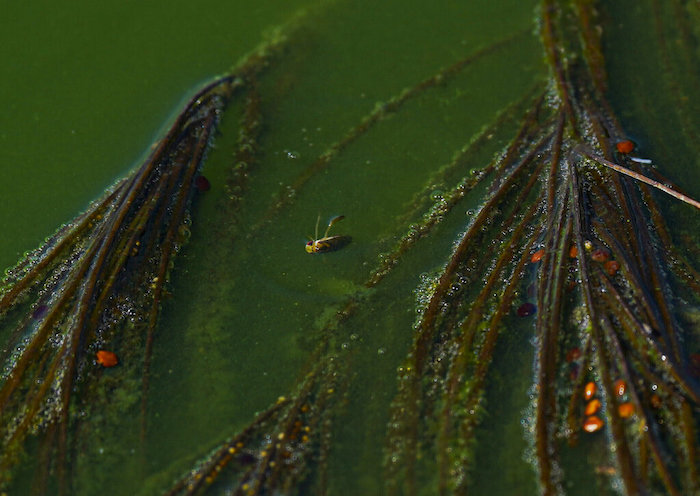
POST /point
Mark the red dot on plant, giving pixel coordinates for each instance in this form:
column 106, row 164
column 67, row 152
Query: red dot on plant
column 202, row 183
column 39, row 312
column 526, row 309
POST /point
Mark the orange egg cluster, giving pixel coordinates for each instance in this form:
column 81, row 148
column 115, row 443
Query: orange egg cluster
column 593, row 423
column 602, row 255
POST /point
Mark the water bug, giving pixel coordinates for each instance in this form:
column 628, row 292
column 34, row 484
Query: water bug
column 327, row 243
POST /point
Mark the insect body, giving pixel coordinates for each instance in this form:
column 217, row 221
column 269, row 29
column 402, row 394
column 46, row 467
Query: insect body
column 327, row 243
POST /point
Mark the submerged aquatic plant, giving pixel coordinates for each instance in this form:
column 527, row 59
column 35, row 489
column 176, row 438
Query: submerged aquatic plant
column 561, row 235
column 99, row 282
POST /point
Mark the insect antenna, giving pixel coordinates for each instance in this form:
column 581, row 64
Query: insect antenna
column 332, row 222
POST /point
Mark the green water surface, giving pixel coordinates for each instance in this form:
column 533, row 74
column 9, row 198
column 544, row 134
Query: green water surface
column 88, row 87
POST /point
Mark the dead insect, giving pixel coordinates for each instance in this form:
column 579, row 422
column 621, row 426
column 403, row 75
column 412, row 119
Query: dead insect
column 327, row 243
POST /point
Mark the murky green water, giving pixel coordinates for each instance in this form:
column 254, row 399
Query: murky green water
column 87, row 89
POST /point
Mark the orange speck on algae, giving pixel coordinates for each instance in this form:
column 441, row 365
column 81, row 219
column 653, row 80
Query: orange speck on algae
column 573, row 251
column 537, row 256
column 612, row 266
column 573, row 354
column 694, row 364
column 589, row 391
column 600, row 255
column 107, row 358
column 592, row 424
column 626, row 410
column 625, row 146
column 592, row 407
column 620, row 387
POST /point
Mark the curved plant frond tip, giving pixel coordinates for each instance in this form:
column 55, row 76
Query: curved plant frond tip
column 574, row 239
column 273, row 454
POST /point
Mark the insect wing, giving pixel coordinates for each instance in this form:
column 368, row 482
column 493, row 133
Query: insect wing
column 331, row 243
